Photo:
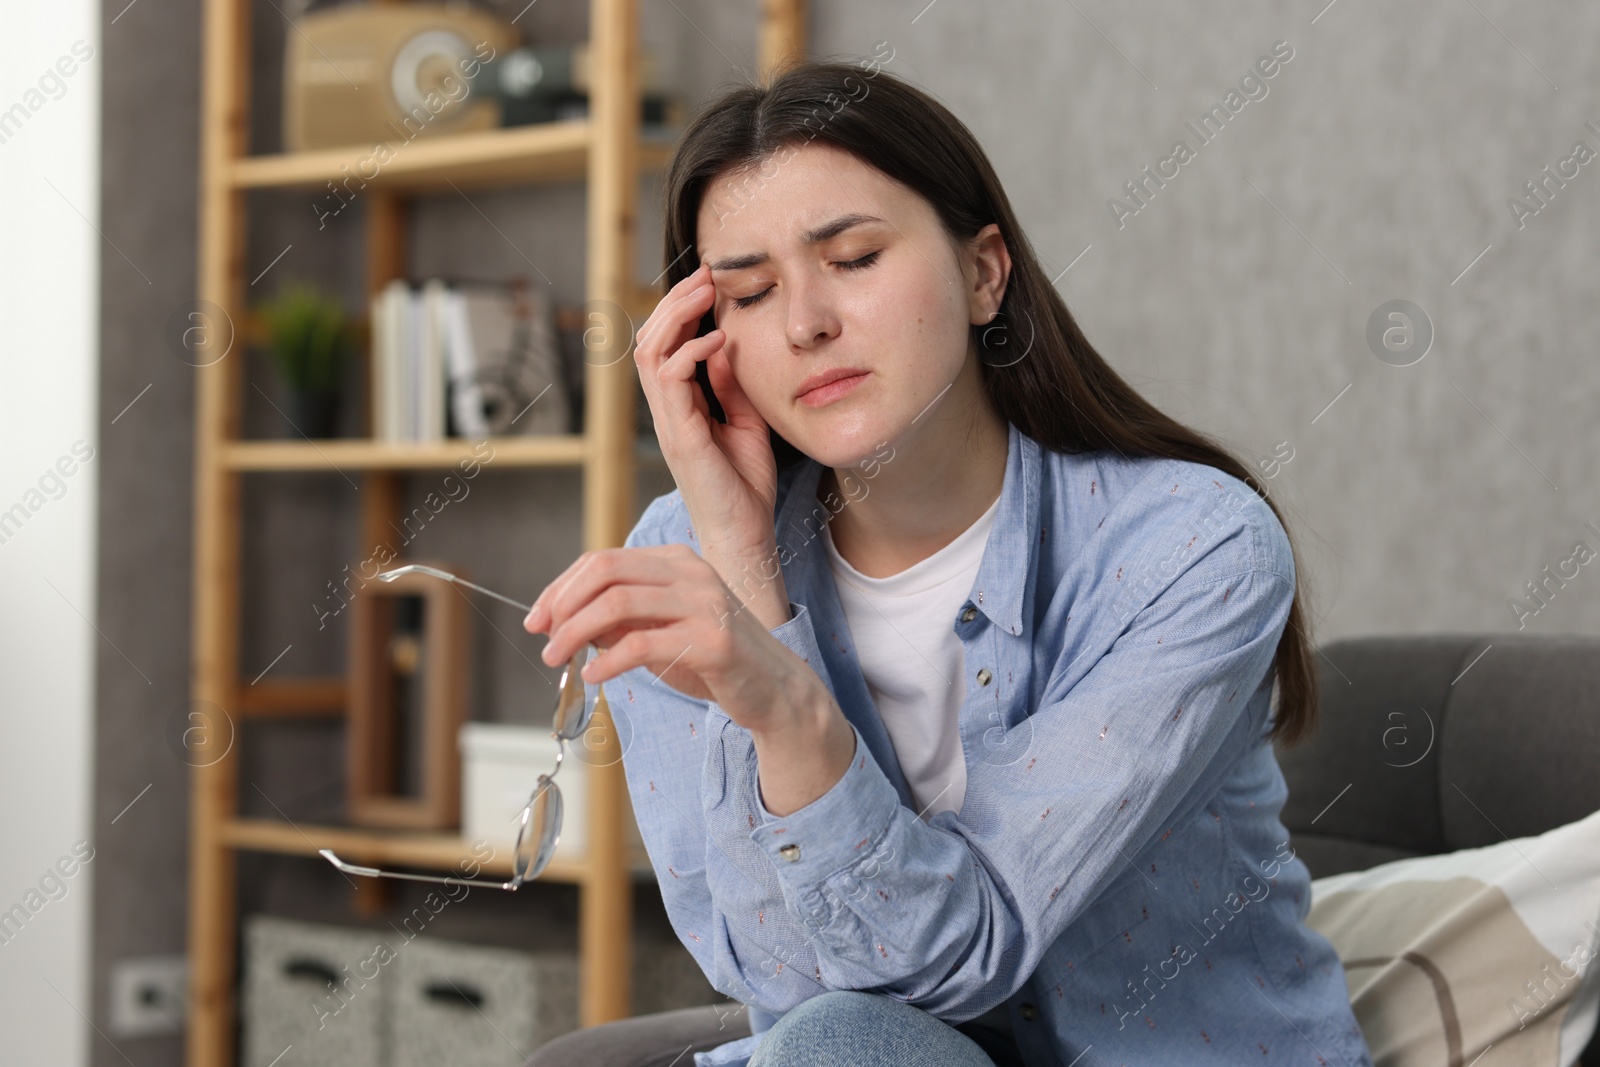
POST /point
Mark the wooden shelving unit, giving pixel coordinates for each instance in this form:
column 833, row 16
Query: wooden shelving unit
column 605, row 150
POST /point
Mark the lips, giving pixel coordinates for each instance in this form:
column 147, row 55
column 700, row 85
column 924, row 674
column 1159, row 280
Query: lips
column 827, row 377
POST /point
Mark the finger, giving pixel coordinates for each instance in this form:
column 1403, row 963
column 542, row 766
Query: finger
column 540, row 618
column 657, row 650
column 663, row 330
column 650, row 357
column 679, row 367
column 674, row 321
column 677, row 388
column 593, row 571
column 688, row 283
column 618, row 610
column 735, row 403
column 678, row 653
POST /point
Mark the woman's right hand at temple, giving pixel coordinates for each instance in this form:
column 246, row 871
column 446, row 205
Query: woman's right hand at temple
column 725, row 472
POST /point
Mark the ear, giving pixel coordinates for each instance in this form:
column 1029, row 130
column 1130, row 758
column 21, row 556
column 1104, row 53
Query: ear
column 987, row 268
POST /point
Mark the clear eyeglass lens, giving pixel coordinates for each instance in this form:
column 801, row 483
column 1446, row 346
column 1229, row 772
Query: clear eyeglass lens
column 575, row 707
column 539, row 832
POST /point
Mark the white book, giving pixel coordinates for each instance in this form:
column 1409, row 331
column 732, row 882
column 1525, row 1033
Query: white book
column 431, row 362
column 400, row 389
column 399, row 380
column 388, row 362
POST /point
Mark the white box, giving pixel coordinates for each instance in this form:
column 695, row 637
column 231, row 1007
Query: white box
column 500, row 767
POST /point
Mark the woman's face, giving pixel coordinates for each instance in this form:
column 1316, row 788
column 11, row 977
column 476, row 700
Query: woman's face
column 821, row 263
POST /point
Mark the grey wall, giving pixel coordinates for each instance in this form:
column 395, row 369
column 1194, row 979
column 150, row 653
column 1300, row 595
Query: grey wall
column 1377, row 167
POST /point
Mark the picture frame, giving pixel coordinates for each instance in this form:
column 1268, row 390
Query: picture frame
column 408, row 699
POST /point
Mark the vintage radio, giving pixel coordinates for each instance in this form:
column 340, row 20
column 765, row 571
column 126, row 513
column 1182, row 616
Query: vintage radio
column 370, row 74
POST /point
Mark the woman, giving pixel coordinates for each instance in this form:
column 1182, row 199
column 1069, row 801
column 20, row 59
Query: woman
column 944, row 674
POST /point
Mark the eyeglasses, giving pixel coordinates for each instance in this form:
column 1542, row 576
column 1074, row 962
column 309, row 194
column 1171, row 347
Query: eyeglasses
column 539, row 825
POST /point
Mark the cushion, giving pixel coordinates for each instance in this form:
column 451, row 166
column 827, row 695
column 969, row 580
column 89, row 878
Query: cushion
column 1486, row 952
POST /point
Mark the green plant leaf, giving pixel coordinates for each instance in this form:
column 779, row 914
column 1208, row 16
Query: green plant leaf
column 309, row 336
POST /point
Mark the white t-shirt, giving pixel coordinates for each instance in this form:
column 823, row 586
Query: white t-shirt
column 903, row 627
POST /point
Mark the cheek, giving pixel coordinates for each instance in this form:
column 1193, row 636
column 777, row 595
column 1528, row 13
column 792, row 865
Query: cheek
column 922, row 324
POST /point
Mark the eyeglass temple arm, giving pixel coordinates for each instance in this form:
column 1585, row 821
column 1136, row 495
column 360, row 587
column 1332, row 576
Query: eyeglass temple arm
column 373, row 872
column 418, row 568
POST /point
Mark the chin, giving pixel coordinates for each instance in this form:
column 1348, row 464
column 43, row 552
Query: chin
column 852, row 442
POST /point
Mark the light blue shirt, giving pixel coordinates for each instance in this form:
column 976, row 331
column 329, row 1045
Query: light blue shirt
column 1117, row 876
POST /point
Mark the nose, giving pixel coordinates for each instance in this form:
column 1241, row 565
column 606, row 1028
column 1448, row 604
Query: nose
column 811, row 318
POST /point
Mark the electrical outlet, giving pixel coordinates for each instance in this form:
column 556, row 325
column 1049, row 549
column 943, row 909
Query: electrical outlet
column 149, row 996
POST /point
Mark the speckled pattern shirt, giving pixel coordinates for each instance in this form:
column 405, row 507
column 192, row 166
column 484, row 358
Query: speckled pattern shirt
column 1117, row 876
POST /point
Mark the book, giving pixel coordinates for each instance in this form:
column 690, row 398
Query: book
column 430, row 361
column 388, row 316
column 472, row 361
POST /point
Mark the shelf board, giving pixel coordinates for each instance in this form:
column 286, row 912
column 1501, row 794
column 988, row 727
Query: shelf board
column 387, row 848
column 342, row 454
column 283, row 698
column 517, row 155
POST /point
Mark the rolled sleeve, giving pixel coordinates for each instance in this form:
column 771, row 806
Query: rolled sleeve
column 799, row 637
column 840, row 828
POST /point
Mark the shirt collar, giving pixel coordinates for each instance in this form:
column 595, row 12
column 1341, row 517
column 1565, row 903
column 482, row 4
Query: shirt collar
column 1009, row 557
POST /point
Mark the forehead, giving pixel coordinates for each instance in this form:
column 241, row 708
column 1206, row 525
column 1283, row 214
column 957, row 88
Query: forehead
column 790, row 192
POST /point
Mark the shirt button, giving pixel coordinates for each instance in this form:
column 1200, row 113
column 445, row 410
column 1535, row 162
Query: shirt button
column 970, row 614
column 1028, row 1012
column 790, row 852
column 984, row 676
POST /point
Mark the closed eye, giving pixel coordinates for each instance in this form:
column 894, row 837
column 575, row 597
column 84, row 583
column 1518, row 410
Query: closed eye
column 854, row 264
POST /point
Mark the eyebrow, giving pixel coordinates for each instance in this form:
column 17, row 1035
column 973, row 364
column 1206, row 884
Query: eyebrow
column 826, row 231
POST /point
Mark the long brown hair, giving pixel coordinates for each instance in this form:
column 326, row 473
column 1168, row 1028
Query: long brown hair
column 1060, row 392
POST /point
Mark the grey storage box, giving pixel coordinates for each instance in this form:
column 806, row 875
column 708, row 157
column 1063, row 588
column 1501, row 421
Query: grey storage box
column 307, row 985
column 472, row 1006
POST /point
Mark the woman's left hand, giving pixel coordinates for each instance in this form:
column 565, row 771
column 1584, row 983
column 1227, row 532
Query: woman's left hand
column 666, row 609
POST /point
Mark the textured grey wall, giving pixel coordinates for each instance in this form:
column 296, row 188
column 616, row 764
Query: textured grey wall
column 1377, row 166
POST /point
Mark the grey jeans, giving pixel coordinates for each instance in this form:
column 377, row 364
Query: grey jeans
column 837, row 1024
column 662, row 1039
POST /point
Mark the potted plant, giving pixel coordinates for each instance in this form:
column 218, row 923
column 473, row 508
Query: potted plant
column 311, row 341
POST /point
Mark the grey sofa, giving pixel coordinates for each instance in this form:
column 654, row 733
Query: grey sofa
column 1412, row 725
column 1417, row 725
